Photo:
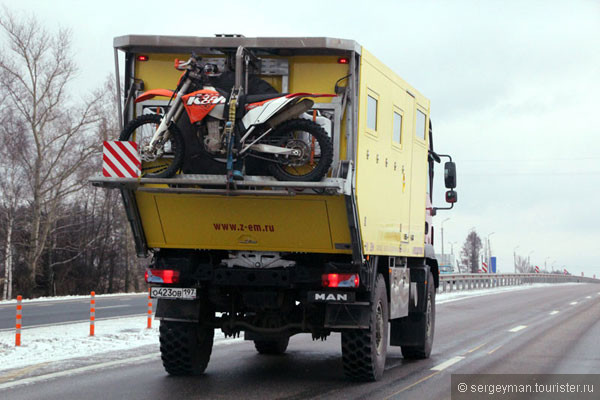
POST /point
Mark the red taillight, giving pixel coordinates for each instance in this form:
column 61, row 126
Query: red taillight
column 340, row 280
column 162, row 276
column 343, row 60
column 142, row 57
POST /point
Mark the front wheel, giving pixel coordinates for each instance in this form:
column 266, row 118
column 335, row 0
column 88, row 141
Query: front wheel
column 169, row 158
column 314, row 151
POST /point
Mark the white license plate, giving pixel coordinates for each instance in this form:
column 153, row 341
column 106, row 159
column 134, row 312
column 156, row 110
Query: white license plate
column 173, row 293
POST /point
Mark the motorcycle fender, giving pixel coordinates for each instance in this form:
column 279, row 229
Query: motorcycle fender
column 290, row 112
column 150, row 94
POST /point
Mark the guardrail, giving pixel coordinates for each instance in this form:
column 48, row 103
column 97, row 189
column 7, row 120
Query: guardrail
column 454, row 282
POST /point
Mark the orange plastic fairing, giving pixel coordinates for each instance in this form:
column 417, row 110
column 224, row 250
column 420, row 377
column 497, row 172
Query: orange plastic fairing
column 153, row 93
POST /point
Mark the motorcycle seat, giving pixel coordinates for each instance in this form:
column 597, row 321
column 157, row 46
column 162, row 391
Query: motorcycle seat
column 253, row 98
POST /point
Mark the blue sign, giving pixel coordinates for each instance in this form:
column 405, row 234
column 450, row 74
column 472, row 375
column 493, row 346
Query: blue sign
column 493, row 269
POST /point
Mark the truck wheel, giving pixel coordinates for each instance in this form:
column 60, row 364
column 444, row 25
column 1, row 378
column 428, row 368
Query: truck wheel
column 185, row 347
column 364, row 350
column 278, row 346
column 427, row 321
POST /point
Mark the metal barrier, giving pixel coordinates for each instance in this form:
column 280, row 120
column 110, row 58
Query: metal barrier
column 454, row 282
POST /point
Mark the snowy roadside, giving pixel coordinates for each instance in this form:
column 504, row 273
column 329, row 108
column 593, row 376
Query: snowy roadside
column 67, row 298
column 59, row 343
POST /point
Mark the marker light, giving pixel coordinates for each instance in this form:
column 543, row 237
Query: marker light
column 162, row 276
column 340, row 280
column 142, row 57
column 343, row 60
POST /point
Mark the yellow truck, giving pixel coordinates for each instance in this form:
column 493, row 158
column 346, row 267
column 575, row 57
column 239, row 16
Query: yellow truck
column 272, row 258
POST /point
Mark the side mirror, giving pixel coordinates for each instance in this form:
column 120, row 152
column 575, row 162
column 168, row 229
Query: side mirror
column 451, row 197
column 449, row 176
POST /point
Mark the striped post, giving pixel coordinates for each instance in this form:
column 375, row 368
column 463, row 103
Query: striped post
column 19, row 320
column 92, row 312
column 149, row 310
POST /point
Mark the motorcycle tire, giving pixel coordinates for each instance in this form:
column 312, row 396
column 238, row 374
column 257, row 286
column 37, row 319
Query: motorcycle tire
column 140, row 130
column 308, row 166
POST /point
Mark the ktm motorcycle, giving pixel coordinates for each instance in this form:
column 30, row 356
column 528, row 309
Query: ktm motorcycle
column 264, row 126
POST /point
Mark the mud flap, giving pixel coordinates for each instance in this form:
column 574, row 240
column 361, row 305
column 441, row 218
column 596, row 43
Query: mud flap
column 410, row 330
column 178, row 310
column 348, row 316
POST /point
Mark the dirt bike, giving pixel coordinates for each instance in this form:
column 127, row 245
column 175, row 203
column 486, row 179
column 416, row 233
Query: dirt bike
column 270, row 129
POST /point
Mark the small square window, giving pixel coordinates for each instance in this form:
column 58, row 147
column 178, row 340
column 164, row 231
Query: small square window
column 371, row 113
column 421, row 117
column 397, row 128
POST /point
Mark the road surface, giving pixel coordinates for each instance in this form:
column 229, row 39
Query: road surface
column 540, row 330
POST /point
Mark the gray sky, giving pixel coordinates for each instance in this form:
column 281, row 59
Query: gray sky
column 513, row 86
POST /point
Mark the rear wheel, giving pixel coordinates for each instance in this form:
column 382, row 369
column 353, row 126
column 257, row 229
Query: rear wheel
column 169, row 158
column 314, row 151
column 272, row 347
column 364, row 350
column 185, row 347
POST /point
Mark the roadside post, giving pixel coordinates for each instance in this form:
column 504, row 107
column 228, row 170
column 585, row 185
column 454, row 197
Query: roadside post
column 92, row 312
column 19, row 319
column 149, row 310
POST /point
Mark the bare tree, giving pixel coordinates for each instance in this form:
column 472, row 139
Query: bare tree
column 36, row 67
column 470, row 252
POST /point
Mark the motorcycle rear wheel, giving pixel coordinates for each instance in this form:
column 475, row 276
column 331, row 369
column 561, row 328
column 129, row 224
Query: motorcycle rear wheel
column 140, row 130
column 314, row 145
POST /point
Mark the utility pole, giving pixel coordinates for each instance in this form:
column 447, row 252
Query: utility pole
column 515, row 257
column 529, row 258
column 443, row 255
column 489, row 252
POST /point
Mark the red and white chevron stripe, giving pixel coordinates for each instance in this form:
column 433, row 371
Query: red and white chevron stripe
column 121, row 160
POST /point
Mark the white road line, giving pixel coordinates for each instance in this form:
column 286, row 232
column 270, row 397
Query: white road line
column 73, row 322
column 447, row 363
column 554, row 312
column 518, row 328
column 53, row 375
column 588, row 297
column 573, row 303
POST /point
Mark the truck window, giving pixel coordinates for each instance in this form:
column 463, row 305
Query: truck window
column 397, row 137
column 371, row 113
column 421, row 124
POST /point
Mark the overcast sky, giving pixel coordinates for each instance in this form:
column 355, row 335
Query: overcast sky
column 514, row 89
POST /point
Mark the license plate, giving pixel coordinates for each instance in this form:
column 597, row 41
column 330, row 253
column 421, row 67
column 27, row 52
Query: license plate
column 173, row 293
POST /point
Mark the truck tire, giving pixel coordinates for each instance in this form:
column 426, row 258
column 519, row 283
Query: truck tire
column 364, row 350
column 427, row 321
column 272, row 347
column 185, row 347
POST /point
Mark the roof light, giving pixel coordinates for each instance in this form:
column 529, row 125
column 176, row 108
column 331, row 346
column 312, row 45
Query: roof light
column 340, row 280
column 343, row 60
column 142, row 57
column 162, row 276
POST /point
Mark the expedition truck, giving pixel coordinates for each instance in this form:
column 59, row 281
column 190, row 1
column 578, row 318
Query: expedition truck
column 268, row 258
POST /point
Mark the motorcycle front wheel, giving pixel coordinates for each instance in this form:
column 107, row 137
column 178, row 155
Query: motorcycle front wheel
column 314, row 151
column 170, row 157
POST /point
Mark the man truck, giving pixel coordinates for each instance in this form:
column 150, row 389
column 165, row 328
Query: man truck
column 267, row 258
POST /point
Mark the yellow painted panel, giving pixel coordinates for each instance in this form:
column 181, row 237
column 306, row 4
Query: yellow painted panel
column 390, row 178
column 301, row 223
column 316, row 74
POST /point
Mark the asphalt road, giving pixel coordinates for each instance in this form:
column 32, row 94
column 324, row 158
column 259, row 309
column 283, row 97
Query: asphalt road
column 36, row 313
column 541, row 330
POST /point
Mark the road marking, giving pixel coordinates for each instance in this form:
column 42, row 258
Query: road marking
column 119, row 306
column 573, row 303
column 476, row 348
column 447, row 363
column 588, row 297
column 411, row 385
column 493, row 350
column 73, row 322
column 53, row 375
column 21, row 372
column 518, row 328
column 554, row 312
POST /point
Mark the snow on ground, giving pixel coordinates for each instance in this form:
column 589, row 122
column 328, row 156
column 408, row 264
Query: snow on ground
column 55, row 343
column 67, row 298
column 69, row 341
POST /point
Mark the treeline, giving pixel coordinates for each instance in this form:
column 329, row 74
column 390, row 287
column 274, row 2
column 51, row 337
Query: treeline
column 58, row 234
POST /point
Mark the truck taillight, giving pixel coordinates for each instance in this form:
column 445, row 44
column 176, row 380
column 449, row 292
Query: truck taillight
column 162, row 276
column 340, row 280
column 142, row 57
